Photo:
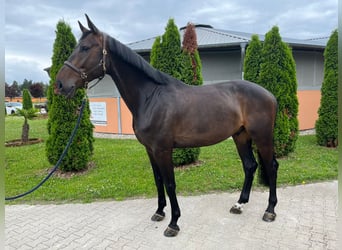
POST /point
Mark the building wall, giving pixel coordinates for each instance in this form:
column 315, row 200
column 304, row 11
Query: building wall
column 309, row 69
column 309, row 102
column 220, row 65
column 110, row 115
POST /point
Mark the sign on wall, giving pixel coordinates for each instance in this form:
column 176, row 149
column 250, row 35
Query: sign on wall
column 98, row 115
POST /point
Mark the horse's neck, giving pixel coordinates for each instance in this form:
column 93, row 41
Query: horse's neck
column 132, row 84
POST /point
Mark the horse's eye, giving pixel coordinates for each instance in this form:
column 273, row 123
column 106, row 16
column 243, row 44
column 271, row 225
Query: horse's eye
column 84, row 48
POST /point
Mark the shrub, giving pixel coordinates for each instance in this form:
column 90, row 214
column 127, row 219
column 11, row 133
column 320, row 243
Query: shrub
column 184, row 156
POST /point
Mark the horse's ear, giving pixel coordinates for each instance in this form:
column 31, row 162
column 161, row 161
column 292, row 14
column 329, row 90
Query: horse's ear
column 83, row 29
column 91, row 26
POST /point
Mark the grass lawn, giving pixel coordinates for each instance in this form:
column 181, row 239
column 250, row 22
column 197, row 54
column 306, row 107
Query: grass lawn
column 121, row 169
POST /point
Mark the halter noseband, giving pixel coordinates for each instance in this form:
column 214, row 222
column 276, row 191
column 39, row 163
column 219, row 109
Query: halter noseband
column 84, row 75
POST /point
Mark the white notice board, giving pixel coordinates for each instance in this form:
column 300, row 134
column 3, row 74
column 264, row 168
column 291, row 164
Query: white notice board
column 98, row 115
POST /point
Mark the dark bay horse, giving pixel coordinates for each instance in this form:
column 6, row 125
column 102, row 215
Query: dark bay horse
column 168, row 114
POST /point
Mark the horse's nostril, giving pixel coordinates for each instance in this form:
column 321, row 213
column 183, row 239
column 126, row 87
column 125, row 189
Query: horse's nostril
column 59, row 85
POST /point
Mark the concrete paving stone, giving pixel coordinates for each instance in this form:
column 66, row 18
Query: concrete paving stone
column 306, row 219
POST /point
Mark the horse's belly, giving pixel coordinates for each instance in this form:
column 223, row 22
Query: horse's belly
column 205, row 138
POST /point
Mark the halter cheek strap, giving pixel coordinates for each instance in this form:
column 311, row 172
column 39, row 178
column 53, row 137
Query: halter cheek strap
column 84, row 75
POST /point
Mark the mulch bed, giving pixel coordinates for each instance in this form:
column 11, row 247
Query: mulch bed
column 18, row 142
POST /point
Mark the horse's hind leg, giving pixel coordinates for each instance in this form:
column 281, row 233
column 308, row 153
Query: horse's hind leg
column 159, row 215
column 269, row 164
column 244, row 147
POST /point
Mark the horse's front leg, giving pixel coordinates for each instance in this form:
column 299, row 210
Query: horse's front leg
column 164, row 162
column 159, row 215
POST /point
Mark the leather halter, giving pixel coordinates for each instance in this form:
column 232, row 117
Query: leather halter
column 83, row 74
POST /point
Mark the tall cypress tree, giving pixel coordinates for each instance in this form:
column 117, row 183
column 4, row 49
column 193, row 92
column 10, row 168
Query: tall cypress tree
column 63, row 113
column 191, row 57
column 166, row 51
column 326, row 125
column 192, row 75
column 167, row 56
column 253, row 60
column 278, row 75
column 156, row 53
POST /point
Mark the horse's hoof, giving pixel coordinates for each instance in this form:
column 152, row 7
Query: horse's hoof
column 269, row 217
column 171, row 232
column 158, row 217
column 236, row 209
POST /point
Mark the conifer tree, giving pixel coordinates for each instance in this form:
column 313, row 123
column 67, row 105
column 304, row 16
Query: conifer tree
column 166, row 51
column 192, row 75
column 191, row 57
column 156, row 53
column 27, row 100
column 28, row 112
column 327, row 123
column 278, row 75
column 253, row 60
column 63, row 113
column 167, row 56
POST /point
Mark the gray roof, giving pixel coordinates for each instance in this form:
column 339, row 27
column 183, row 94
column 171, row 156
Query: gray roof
column 209, row 37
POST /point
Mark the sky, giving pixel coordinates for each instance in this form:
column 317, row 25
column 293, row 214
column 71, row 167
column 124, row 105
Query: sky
column 30, row 24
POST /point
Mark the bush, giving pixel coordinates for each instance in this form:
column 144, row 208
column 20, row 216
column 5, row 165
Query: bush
column 184, row 156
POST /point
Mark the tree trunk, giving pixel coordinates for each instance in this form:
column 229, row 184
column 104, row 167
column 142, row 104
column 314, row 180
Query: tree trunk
column 25, row 132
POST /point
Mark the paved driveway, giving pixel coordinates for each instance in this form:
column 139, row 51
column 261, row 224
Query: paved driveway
column 306, row 219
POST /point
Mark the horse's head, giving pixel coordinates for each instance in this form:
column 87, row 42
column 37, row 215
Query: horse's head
column 86, row 63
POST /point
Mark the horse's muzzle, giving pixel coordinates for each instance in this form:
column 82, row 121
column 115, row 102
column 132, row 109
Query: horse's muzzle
column 60, row 89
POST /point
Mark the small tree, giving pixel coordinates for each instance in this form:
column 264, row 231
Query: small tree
column 28, row 112
column 278, row 75
column 27, row 100
column 63, row 113
column 326, row 125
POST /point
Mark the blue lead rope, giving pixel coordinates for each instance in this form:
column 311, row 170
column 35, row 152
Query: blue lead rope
column 59, row 160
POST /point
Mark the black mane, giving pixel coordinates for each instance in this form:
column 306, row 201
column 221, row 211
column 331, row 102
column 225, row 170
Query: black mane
column 134, row 59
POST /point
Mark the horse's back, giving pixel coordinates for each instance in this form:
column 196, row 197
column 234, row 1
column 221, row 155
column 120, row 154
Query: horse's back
column 246, row 89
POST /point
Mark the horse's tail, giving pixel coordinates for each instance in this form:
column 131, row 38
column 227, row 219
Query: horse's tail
column 262, row 175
